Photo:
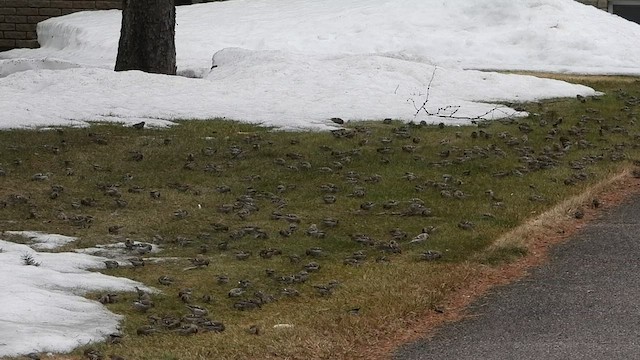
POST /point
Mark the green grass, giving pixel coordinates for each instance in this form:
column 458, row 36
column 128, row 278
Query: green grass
column 186, row 164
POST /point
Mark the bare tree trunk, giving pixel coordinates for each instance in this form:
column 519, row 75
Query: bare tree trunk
column 147, row 37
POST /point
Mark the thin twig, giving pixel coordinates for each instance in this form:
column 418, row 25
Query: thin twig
column 449, row 111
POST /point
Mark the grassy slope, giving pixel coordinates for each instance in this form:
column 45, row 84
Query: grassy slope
column 594, row 140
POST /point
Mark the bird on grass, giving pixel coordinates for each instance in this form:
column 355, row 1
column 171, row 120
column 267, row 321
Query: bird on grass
column 242, row 255
column 165, row 280
column 198, row 311
column 213, row 326
column 466, row 225
column 114, row 338
column 312, row 267
column 108, row 298
column 188, row 329
column 236, row 292
column 222, row 279
column 199, row 262
column 422, row 237
column 254, row 330
column 93, row 354
column 290, row 292
column 315, row 252
column 430, row 255
column 137, row 262
column 143, row 305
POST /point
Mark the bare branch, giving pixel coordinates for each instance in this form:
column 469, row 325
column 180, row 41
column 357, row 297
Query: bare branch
column 450, row 111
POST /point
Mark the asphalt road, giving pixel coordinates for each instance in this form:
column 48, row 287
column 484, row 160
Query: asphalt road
column 582, row 304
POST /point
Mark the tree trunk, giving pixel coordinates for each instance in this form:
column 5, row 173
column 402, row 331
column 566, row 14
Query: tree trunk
column 147, row 37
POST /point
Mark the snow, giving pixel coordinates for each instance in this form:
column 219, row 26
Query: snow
column 42, row 307
column 287, row 64
column 42, row 241
column 296, row 64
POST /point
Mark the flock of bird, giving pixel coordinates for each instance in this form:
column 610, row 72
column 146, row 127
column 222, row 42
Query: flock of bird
column 240, row 221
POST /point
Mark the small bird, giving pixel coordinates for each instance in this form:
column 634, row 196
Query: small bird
column 138, row 126
column 315, row 252
column 198, row 310
column 180, row 214
column 146, row 330
column 330, row 222
column 236, row 292
column 254, row 330
column 137, row 262
column 188, row 329
column 312, row 267
column 213, row 326
column 290, row 292
column 354, row 311
column 329, row 199
column 466, row 225
column 93, row 354
column 108, row 298
column 222, row 279
column 246, row 304
column 114, row 338
column 115, row 229
column 422, row 237
column 185, row 295
column 165, row 280
column 390, row 204
column 142, row 305
column 323, row 290
column 111, row 264
column 200, row 262
column 430, row 255
column 242, row 255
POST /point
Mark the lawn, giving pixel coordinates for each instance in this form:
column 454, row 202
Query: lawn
column 307, row 244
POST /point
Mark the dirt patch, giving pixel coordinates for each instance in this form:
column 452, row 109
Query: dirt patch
column 614, row 192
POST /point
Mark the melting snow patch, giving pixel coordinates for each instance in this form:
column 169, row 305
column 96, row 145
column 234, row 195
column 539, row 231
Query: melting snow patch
column 42, row 307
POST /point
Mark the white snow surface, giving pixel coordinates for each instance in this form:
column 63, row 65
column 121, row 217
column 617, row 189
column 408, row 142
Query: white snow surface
column 43, row 241
column 42, row 308
column 298, row 63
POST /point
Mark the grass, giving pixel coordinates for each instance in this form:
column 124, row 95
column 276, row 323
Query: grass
column 509, row 173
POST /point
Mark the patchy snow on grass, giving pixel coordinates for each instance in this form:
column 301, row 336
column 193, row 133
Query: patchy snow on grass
column 42, row 305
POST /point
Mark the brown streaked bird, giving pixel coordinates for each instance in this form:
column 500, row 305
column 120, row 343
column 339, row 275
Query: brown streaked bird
column 165, row 280
column 290, row 292
column 137, row 262
column 242, row 255
column 200, row 262
column 114, row 338
column 93, row 354
column 186, row 330
column 111, row 264
column 198, row 311
column 430, row 255
column 146, row 330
